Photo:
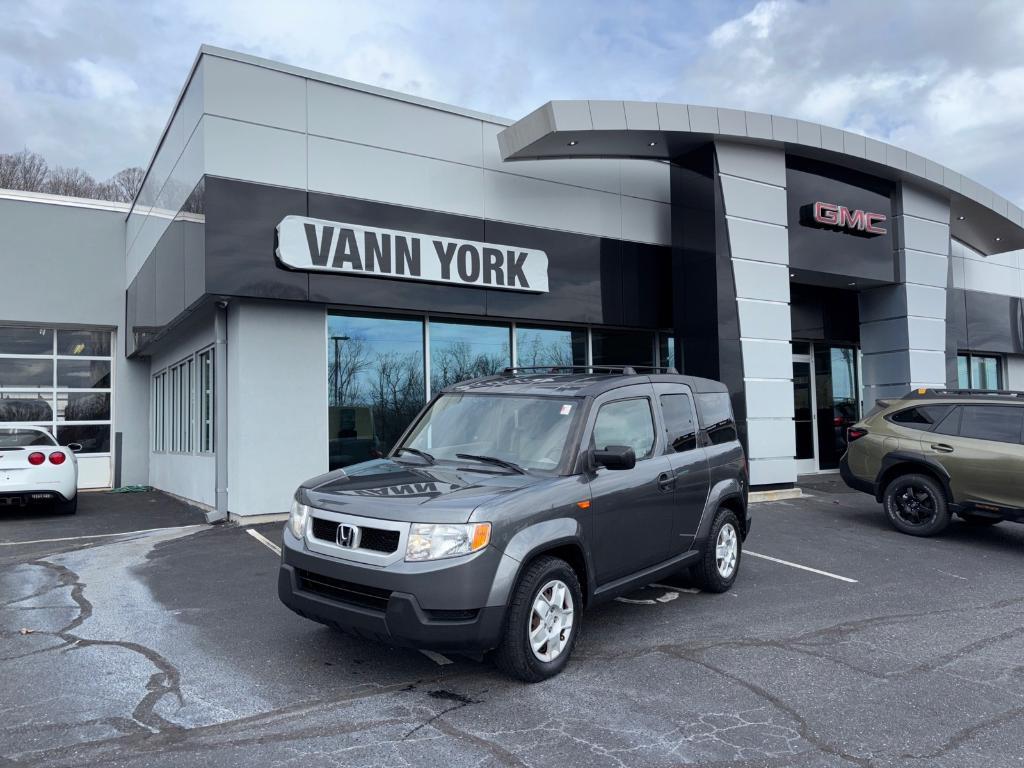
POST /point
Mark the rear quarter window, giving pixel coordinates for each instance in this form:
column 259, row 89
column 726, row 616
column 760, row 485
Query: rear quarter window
column 715, row 412
column 923, row 417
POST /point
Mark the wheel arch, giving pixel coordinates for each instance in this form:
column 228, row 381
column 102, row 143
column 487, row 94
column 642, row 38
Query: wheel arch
column 562, row 538
column 899, row 463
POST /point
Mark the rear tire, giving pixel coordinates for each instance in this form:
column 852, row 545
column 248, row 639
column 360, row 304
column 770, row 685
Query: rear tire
column 980, row 521
column 547, row 587
column 720, row 561
column 66, row 507
column 916, row 505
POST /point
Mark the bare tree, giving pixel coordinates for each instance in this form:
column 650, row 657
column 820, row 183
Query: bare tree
column 126, row 184
column 73, row 182
column 25, row 171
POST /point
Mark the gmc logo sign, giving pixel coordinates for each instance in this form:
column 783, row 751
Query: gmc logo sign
column 841, row 219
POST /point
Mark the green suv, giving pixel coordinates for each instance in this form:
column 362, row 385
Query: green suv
column 936, row 452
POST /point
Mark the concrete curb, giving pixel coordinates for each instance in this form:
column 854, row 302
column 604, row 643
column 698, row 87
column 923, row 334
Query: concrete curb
column 776, row 495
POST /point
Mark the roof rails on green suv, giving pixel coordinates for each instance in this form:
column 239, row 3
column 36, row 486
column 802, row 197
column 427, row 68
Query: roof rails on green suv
column 937, row 452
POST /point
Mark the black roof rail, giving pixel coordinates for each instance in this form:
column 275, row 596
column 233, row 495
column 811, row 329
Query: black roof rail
column 926, row 392
column 625, row 370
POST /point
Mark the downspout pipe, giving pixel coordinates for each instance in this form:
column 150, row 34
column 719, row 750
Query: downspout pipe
column 220, row 412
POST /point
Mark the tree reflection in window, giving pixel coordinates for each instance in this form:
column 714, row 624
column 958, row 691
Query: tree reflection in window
column 463, row 351
column 375, row 384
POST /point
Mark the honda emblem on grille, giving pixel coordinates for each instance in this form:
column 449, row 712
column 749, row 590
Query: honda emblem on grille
column 348, row 536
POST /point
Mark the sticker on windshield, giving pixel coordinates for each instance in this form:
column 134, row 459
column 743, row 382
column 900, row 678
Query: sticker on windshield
column 566, row 409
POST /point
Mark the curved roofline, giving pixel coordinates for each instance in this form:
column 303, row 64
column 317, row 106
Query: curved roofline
column 986, row 221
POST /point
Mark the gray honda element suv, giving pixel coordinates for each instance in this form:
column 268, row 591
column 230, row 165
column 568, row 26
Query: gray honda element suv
column 514, row 501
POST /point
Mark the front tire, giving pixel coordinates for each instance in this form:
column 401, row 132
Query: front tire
column 916, row 505
column 542, row 623
column 66, row 507
column 720, row 561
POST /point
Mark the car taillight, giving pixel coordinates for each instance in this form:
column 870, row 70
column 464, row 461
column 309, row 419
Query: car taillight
column 57, row 457
column 855, row 433
column 36, row 458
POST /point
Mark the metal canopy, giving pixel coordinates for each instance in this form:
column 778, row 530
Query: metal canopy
column 662, row 131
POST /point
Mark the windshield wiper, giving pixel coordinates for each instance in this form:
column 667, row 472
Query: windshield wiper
column 492, row 460
column 416, row 452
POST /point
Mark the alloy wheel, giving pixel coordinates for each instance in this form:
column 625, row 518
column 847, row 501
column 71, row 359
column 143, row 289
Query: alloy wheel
column 727, row 549
column 914, row 505
column 551, row 621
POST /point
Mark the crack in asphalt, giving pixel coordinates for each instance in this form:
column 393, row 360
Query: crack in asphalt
column 165, row 681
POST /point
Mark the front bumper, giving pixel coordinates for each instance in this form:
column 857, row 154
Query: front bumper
column 439, row 606
column 851, row 480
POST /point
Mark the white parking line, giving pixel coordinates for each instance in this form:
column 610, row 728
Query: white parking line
column 437, row 658
column 97, row 535
column 264, row 540
column 801, row 567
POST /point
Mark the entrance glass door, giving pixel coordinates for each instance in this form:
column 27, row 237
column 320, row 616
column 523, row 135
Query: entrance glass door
column 804, row 410
column 826, row 396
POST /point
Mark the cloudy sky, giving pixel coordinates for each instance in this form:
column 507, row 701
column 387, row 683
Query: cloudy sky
column 91, row 83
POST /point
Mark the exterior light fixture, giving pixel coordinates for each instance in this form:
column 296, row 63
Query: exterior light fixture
column 573, row 143
column 651, row 143
column 960, row 218
column 998, row 239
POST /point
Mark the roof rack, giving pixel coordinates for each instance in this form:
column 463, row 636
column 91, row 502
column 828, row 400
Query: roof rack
column 926, row 392
column 625, row 370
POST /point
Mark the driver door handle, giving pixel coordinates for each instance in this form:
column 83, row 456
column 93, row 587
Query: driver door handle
column 666, row 482
column 942, row 447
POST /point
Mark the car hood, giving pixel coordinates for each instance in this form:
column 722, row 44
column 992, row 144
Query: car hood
column 390, row 490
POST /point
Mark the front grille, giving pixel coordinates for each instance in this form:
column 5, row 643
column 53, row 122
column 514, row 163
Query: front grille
column 379, row 540
column 327, row 530
column 344, row 591
column 374, row 539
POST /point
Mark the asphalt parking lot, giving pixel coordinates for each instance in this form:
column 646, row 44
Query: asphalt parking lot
column 168, row 647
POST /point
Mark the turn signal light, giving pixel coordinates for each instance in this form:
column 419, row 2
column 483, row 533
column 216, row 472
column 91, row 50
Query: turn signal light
column 855, row 433
column 57, row 457
column 36, row 458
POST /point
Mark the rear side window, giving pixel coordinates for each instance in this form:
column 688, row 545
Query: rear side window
column 1001, row 424
column 626, row 422
column 680, row 424
column 715, row 411
column 923, row 417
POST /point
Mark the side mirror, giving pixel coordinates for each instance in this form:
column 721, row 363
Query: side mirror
column 74, row 447
column 615, row 457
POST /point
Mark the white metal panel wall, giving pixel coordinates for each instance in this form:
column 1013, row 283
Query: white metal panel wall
column 270, row 127
column 903, row 326
column 277, row 403
column 754, row 193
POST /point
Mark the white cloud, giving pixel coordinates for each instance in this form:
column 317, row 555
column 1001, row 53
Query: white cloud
column 105, row 82
column 92, row 84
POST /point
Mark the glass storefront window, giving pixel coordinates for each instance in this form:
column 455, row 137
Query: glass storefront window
column 26, row 406
column 611, row 347
column 26, row 372
column 25, row 341
column 375, row 384
column 83, row 343
column 460, row 351
column 667, row 351
column 550, row 346
column 83, row 374
column 979, row 371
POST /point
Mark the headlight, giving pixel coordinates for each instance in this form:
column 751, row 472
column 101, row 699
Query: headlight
column 432, row 542
column 297, row 519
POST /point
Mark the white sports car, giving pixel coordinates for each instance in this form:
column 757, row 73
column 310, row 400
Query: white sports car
column 35, row 470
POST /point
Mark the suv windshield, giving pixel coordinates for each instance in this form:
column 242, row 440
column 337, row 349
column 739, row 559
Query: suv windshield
column 527, row 431
column 23, row 438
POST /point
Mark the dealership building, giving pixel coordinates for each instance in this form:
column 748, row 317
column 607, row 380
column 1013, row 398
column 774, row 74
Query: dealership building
column 310, row 258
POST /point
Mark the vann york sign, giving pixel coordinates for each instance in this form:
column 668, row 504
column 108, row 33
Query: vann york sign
column 315, row 245
column 843, row 219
